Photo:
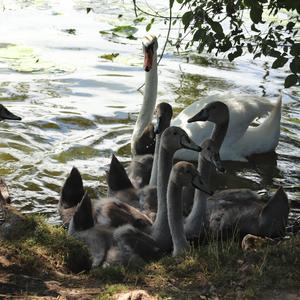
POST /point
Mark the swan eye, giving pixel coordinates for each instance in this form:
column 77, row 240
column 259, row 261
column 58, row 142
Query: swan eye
column 208, row 148
column 175, row 133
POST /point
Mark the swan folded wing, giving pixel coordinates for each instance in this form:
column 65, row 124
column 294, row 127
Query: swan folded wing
column 140, row 243
column 98, row 241
column 112, row 212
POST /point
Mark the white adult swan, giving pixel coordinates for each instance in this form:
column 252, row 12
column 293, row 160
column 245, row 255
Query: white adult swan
column 241, row 140
column 233, row 210
column 143, row 137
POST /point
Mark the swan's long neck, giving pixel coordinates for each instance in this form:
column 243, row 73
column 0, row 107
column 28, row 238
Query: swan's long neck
column 148, row 106
column 153, row 178
column 160, row 228
column 219, row 133
column 175, row 218
column 195, row 221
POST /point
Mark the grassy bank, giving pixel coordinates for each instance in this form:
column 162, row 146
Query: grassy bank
column 40, row 261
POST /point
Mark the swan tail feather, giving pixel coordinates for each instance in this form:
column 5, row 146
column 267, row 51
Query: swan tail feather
column 265, row 137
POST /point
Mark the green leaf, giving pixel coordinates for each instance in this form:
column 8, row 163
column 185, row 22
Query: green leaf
column 198, row 34
column 253, row 28
column 216, row 27
column 295, row 49
column 295, row 65
column 88, row 9
column 111, row 56
column 290, row 80
column 171, row 3
column 256, row 14
column 257, row 55
column 279, row 62
column 138, row 20
column 126, row 30
column 148, row 27
column 274, row 53
column 290, row 26
column 179, row 1
column 226, row 46
column 187, row 18
column 250, row 48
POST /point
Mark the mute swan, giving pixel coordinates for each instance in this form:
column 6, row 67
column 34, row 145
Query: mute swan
column 138, row 170
column 109, row 212
column 118, row 180
column 5, row 114
column 183, row 174
column 143, row 137
column 120, row 187
column 107, row 245
column 241, row 140
column 172, row 139
column 239, row 210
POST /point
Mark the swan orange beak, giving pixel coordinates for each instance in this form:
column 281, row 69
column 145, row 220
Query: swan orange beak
column 148, row 59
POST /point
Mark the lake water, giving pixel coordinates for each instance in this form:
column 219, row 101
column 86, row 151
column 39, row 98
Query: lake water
column 78, row 106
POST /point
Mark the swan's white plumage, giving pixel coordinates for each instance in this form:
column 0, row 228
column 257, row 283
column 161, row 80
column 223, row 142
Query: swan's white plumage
column 241, row 140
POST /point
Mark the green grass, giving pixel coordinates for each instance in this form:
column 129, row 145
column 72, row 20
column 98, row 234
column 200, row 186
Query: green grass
column 218, row 269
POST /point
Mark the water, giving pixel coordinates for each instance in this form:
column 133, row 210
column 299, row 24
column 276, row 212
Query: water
column 78, row 106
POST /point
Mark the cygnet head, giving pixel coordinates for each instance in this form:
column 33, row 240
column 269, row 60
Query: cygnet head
column 175, row 138
column 150, row 46
column 216, row 112
column 163, row 113
column 210, row 152
column 185, row 174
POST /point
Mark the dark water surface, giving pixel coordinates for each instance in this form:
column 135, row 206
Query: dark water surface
column 78, row 106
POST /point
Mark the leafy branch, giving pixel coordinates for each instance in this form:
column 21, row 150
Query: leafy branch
column 267, row 28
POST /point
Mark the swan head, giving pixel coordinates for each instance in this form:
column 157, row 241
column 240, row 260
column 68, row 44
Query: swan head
column 210, row 152
column 163, row 113
column 185, row 174
column 175, row 138
column 150, row 46
column 5, row 114
column 216, row 112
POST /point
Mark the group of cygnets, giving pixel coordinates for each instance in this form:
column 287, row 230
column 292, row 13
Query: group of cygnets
column 147, row 213
column 158, row 206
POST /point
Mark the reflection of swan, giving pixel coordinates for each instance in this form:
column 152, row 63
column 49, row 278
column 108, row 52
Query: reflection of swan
column 239, row 210
column 241, row 140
